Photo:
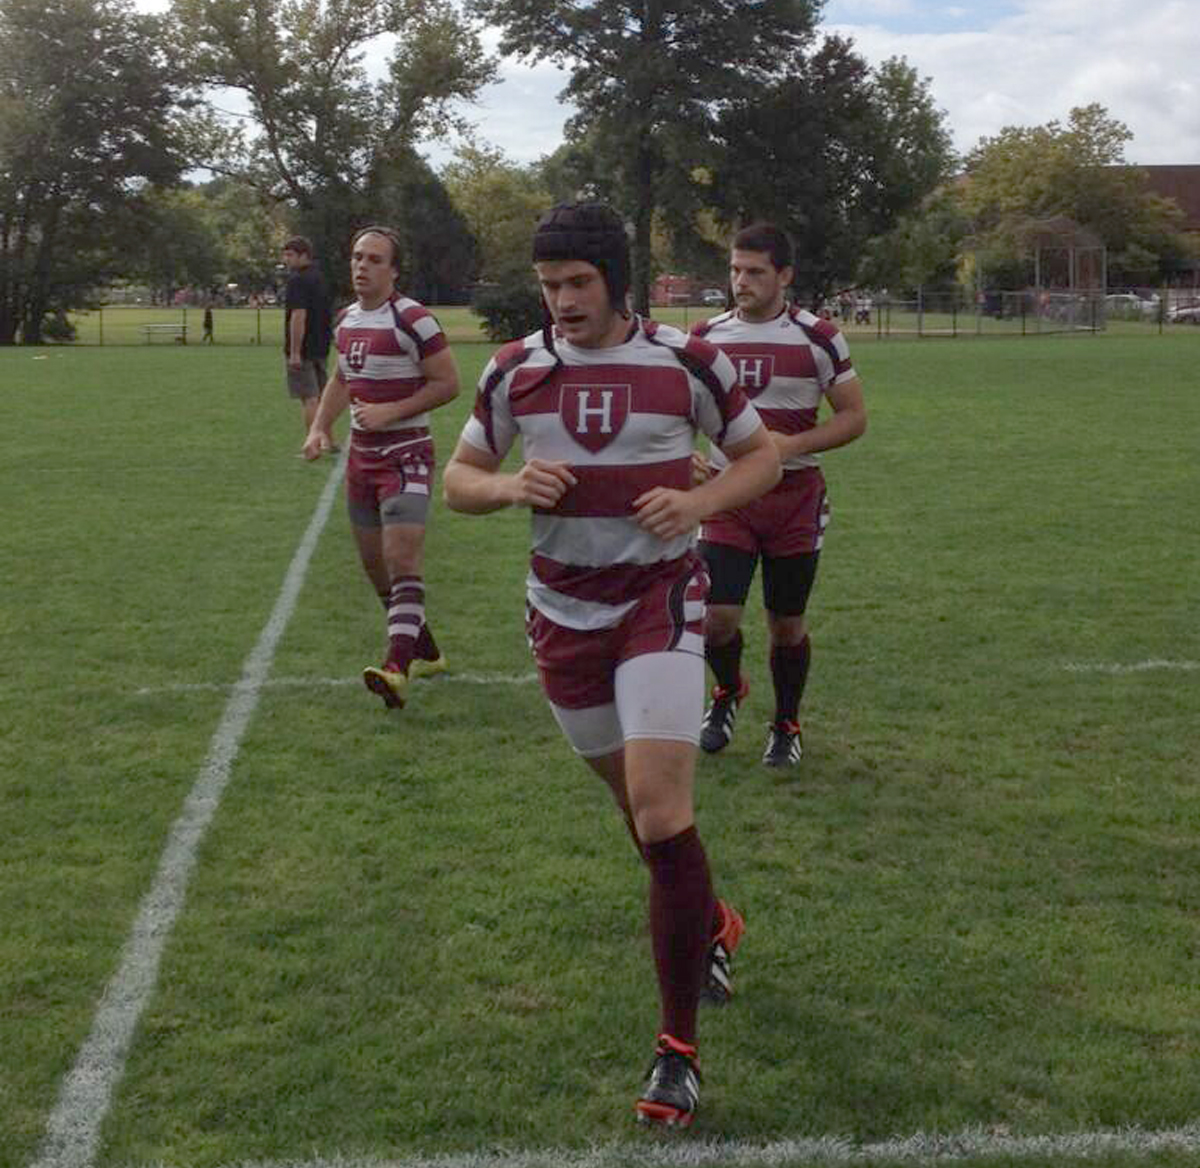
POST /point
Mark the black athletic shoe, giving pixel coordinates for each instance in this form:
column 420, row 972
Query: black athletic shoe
column 673, row 1090
column 785, row 745
column 718, row 983
column 716, row 731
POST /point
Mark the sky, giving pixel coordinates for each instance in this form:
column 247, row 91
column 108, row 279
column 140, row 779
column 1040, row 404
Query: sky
column 989, row 64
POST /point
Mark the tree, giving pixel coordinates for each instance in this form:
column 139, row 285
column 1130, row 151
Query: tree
column 179, row 246
column 647, row 77
column 502, row 203
column 439, row 258
column 1077, row 171
column 835, row 152
column 323, row 136
column 90, row 116
column 922, row 250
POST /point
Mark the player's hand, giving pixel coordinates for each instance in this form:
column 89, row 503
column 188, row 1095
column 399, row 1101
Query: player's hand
column 373, row 415
column 317, row 442
column 666, row 513
column 702, row 469
column 540, row 483
column 295, row 362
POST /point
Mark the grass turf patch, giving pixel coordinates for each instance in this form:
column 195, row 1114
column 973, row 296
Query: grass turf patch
column 972, row 906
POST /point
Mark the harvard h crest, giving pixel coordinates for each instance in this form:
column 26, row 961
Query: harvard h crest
column 356, row 354
column 594, row 414
column 753, row 372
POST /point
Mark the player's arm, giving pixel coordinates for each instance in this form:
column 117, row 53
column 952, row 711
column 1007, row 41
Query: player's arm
column 335, row 397
column 474, row 483
column 296, row 323
column 440, row 372
column 848, row 422
column 752, row 471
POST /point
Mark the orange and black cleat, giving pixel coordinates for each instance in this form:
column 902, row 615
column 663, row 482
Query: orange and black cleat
column 727, row 936
column 673, row 1089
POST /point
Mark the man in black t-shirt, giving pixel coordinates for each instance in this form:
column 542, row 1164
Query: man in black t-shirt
column 306, row 328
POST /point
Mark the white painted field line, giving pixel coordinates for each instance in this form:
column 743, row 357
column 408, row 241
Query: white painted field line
column 1155, row 663
column 920, row 1149
column 86, row 1094
column 326, row 682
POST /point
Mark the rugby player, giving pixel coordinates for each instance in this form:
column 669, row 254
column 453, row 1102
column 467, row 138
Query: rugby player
column 394, row 366
column 606, row 407
column 786, row 360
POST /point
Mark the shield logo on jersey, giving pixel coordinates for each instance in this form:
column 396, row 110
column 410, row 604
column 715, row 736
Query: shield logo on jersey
column 356, row 355
column 594, row 414
column 754, row 372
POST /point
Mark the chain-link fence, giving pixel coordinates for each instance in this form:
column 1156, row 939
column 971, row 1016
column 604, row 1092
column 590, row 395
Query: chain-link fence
column 1028, row 312
column 926, row 314
column 146, row 325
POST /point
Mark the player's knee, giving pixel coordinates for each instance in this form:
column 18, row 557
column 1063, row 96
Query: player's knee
column 787, row 630
column 660, row 821
column 721, row 624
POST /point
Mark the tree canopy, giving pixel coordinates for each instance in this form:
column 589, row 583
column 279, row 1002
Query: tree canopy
column 320, row 132
column 835, row 152
column 648, row 78
column 91, row 103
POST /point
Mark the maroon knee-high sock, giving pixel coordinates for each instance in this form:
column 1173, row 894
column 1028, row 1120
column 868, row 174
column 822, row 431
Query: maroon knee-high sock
column 726, row 661
column 789, row 672
column 681, row 914
column 405, row 616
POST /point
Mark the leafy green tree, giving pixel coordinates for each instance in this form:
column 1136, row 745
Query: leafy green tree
column 90, row 116
column 834, row 151
column 322, row 135
column 648, row 77
column 440, row 256
column 251, row 230
column 923, row 249
column 179, row 246
column 1078, row 171
column 502, row 203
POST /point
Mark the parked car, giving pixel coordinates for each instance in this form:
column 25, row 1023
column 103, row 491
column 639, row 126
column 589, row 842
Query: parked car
column 714, row 296
column 1184, row 314
column 1130, row 306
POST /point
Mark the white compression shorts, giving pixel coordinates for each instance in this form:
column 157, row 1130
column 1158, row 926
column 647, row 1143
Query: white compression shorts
column 657, row 695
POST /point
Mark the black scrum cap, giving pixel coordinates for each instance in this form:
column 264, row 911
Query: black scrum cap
column 592, row 232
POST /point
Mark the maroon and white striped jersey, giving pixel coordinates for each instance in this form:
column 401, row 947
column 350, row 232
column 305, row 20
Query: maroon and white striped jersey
column 784, row 365
column 625, row 419
column 380, row 351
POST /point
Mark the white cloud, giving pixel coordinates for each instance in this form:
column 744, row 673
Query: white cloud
column 520, row 113
column 1035, row 65
column 1023, row 62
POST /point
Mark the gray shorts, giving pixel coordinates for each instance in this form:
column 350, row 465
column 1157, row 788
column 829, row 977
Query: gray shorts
column 307, row 381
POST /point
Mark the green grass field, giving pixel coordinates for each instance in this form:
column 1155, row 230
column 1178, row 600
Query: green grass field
column 973, row 909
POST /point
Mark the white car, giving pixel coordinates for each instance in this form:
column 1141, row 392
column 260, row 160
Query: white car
column 713, row 296
column 1184, row 314
column 1131, row 306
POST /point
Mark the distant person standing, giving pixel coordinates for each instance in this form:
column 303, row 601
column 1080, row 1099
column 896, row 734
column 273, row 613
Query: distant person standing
column 306, row 326
column 208, row 325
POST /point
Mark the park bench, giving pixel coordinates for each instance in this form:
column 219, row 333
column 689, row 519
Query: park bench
column 174, row 332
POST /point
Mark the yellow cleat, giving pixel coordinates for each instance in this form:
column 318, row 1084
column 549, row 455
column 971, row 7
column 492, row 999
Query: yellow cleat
column 420, row 667
column 388, row 685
